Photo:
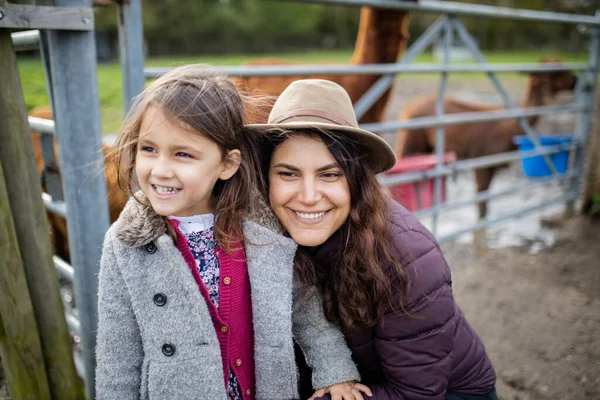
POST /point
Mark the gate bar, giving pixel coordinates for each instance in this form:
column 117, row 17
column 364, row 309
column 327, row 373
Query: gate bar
column 369, row 69
column 64, row 269
column 42, row 125
column 73, row 323
column 79, row 364
column 460, row 118
column 472, row 163
column 440, row 131
column 460, row 9
column 524, row 211
column 26, row 40
column 51, row 176
column 56, row 207
column 488, row 195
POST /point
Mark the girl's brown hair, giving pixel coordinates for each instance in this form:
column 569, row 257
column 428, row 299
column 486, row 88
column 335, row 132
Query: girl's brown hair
column 357, row 285
column 209, row 103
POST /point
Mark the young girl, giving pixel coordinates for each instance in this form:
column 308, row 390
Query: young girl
column 195, row 302
column 382, row 275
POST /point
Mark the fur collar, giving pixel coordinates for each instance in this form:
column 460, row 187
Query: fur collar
column 139, row 224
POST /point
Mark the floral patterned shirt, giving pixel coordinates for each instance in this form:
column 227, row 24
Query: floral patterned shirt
column 203, row 247
column 200, row 234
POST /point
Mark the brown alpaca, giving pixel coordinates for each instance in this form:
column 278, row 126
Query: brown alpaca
column 58, row 225
column 381, row 38
column 470, row 140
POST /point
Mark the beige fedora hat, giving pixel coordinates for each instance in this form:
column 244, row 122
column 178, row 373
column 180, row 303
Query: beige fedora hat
column 324, row 105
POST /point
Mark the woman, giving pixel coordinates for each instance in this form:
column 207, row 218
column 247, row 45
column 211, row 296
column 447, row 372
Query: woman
column 382, row 275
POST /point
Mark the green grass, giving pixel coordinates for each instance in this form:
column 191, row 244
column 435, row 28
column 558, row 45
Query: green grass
column 109, row 81
column 109, row 75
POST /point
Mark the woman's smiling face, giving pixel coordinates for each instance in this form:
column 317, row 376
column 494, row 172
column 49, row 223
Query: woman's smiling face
column 308, row 190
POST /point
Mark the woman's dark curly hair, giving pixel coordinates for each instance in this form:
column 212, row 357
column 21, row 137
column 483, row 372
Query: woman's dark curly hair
column 357, row 286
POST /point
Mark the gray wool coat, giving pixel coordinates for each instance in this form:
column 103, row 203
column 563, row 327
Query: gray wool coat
column 140, row 260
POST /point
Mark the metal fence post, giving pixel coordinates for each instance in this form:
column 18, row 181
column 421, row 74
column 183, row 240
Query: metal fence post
column 131, row 50
column 440, row 129
column 51, row 177
column 72, row 58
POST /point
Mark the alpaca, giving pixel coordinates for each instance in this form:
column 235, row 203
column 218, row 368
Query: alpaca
column 381, row 38
column 470, row 140
column 58, row 225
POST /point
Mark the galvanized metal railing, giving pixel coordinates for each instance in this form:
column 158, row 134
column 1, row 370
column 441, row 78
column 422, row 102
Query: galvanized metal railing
column 26, row 40
column 54, row 199
column 464, row 9
column 371, row 69
column 80, row 201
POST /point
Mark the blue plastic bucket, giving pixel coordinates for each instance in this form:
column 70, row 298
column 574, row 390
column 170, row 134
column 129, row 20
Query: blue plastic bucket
column 536, row 166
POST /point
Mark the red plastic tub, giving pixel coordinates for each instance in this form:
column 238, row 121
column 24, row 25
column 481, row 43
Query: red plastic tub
column 417, row 195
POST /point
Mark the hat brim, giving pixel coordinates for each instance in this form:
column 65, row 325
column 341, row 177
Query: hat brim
column 379, row 154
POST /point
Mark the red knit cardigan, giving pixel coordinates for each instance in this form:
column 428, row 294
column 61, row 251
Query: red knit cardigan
column 233, row 319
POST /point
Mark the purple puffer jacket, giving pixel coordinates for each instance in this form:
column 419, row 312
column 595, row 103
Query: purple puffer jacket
column 435, row 350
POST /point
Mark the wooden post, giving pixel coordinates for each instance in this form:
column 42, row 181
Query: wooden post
column 20, row 346
column 592, row 175
column 31, row 228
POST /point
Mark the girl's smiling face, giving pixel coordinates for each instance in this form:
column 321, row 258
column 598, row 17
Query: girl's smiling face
column 308, row 190
column 176, row 167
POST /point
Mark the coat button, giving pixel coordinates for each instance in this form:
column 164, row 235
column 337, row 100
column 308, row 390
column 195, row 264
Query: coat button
column 227, row 280
column 168, row 349
column 160, row 299
column 248, row 392
column 224, row 329
column 150, row 248
column 238, row 362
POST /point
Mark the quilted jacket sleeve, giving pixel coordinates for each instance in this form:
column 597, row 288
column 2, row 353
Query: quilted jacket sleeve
column 119, row 348
column 416, row 349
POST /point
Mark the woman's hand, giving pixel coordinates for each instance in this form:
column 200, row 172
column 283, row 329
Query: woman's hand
column 344, row 391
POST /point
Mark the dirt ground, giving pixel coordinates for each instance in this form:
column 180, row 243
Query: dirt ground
column 538, row 312
column 538, row 315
